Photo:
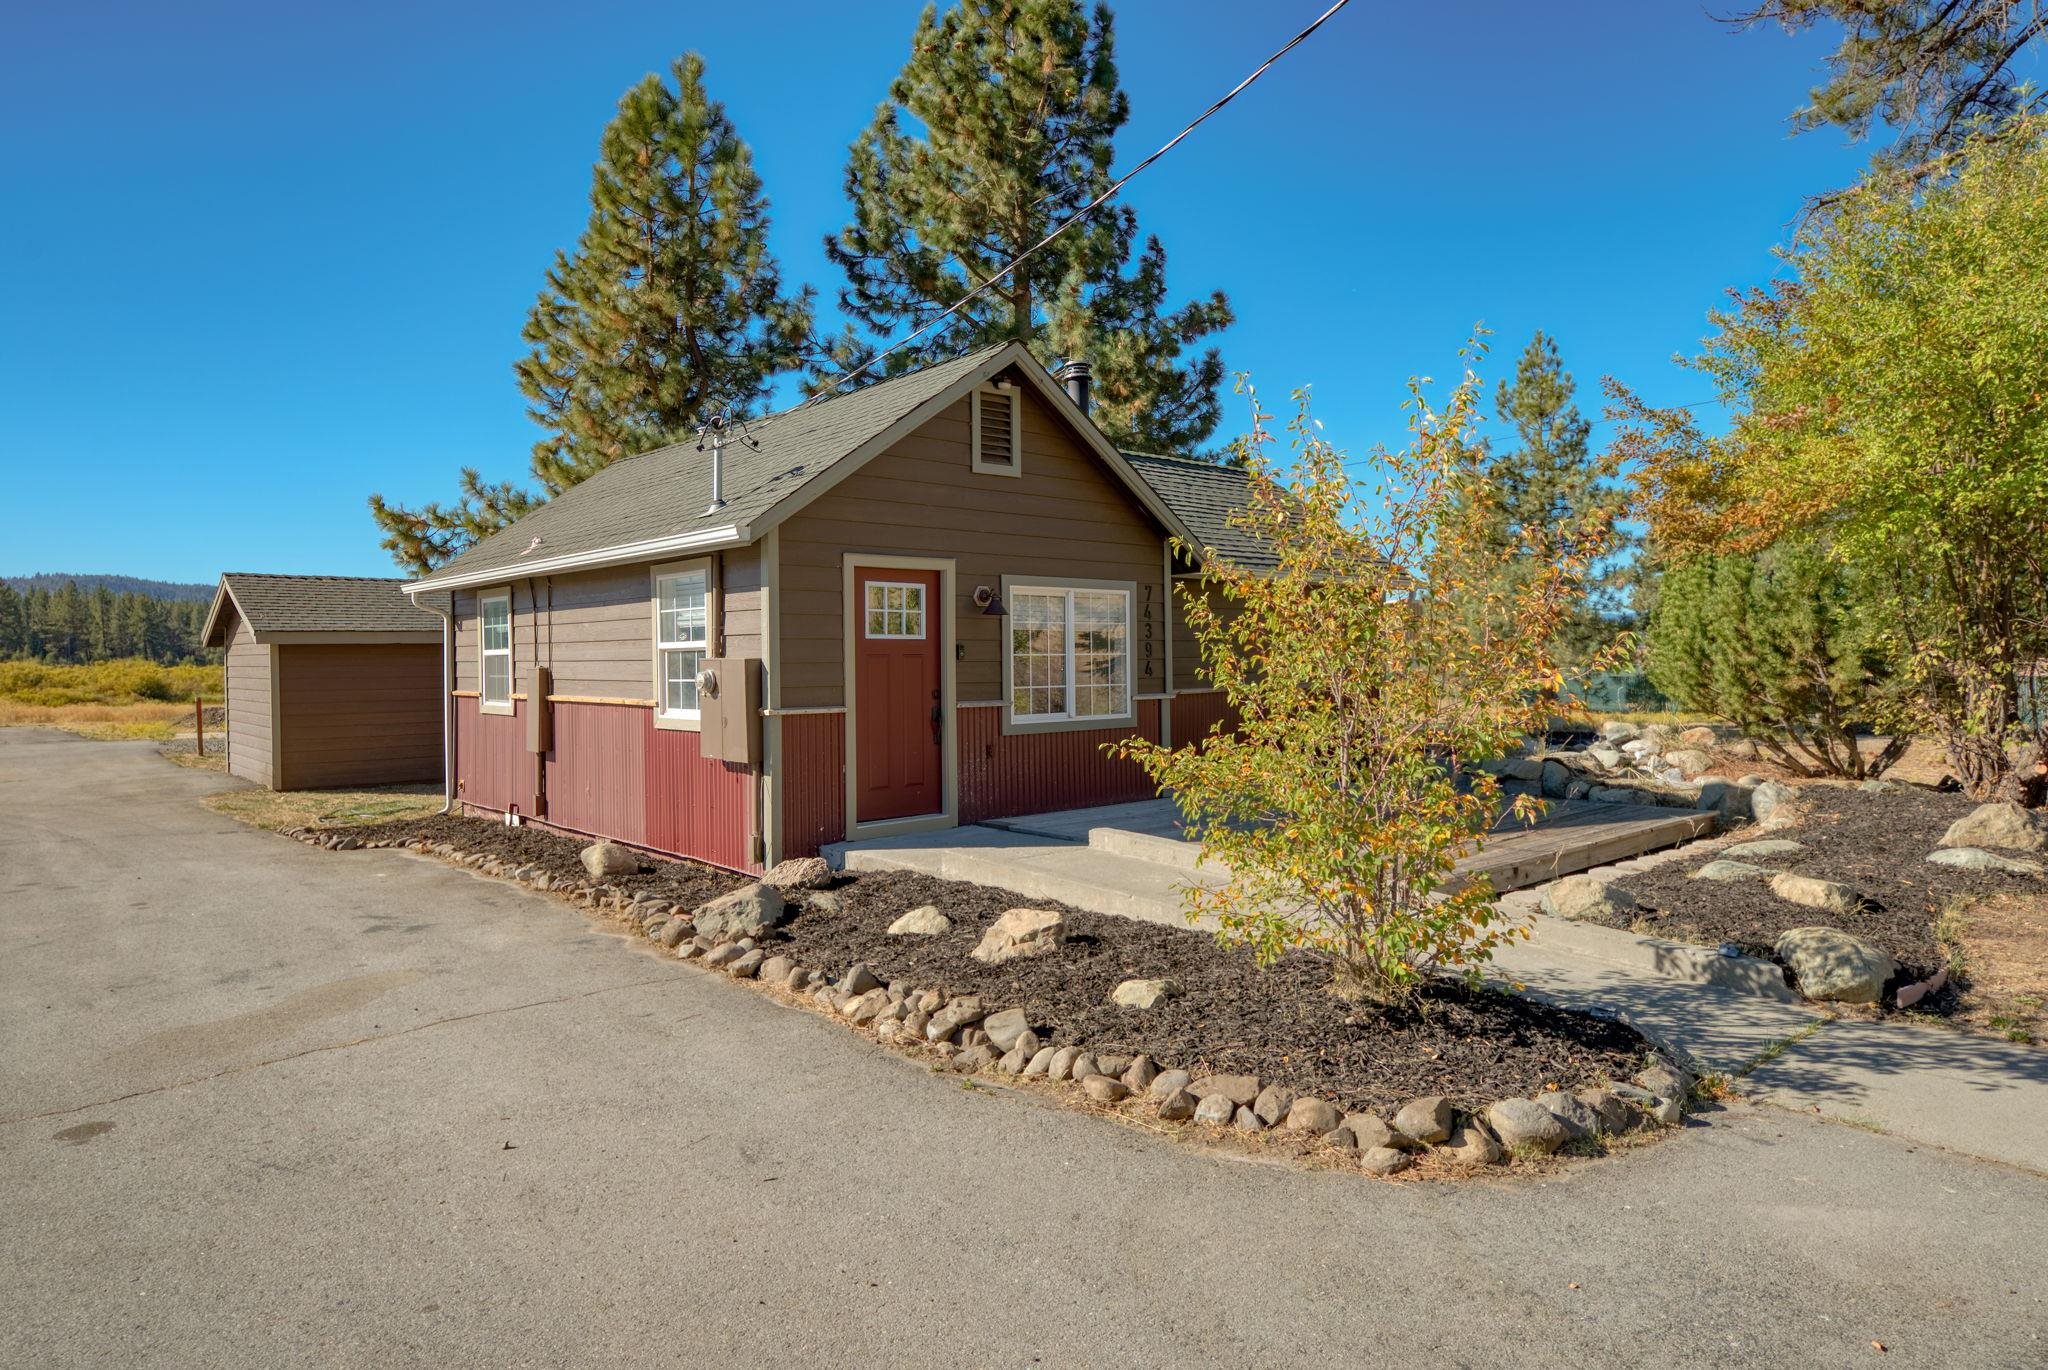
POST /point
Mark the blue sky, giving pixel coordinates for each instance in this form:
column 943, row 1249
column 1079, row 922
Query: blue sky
column 265, row 259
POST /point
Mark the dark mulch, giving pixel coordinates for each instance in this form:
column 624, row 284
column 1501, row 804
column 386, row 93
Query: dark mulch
column 1282, row 1023
column 1876, row 844
column 684, row 882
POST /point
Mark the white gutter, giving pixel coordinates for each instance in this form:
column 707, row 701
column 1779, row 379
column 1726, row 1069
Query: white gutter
column 651, row 549
column 447, row 705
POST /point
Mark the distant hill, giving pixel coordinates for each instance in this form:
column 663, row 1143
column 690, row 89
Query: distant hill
column 175, row 591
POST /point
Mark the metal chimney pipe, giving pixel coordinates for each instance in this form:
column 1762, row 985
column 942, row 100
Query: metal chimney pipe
column 1075, row 376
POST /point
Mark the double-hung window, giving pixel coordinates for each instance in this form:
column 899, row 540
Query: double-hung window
column 681, row 632
column 494, row 613
column 1070, row 654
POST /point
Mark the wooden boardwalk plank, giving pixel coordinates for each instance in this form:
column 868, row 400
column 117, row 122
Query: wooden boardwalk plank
column 1577, row 835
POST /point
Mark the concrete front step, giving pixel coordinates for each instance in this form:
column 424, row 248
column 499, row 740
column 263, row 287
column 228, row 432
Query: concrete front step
column 1144, row 846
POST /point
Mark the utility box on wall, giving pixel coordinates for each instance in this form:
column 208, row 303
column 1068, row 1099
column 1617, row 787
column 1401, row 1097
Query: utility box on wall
column 540, row 715
column 729, row 710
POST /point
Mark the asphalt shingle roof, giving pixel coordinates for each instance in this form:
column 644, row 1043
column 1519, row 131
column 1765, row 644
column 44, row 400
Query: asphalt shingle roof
column 665, row 493
column 1205, row 497
column 326, row 604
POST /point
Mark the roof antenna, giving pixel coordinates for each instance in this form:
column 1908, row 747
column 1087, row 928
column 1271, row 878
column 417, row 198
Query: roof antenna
column 713, row 435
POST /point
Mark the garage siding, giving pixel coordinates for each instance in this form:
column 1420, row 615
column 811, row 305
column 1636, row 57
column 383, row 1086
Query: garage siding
column 249, row 722
column 359, row 714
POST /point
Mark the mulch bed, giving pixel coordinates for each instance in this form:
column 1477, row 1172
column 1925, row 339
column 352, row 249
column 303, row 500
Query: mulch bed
column 1282, row 1023
column 681, row 882
column 1875, row 843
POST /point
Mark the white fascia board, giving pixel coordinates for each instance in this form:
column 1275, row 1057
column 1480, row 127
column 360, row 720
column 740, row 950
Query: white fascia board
column 653, row 549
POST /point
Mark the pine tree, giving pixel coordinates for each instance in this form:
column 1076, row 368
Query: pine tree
column 670, row 309
column 999, row 128
column 1551, row 480
column 13, row 623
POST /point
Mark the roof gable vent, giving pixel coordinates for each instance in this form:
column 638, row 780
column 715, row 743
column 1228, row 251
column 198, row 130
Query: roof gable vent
column 996, row 437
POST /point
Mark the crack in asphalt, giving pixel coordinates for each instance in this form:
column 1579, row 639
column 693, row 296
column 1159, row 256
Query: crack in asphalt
column 344, row 1046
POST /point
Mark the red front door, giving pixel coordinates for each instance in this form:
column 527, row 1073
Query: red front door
column 897, row 714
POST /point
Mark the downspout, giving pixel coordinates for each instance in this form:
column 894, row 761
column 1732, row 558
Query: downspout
column 447, row 617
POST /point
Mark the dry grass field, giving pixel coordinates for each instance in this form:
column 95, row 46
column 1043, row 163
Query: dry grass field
column 327, row 808
column 129, row 700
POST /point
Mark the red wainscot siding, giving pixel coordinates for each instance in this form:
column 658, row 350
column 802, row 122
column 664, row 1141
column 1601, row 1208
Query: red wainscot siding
column 812, row 785
column 1198, row 713
column 696, row 806
column 1004, row 776
column 597, row 771
column 492, row 766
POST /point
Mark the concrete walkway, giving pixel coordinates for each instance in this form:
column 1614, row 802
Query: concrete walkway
column 1733, row 1016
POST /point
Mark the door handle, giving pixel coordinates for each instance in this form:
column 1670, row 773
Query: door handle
column 937, row 733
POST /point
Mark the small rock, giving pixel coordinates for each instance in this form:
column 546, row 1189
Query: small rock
column 1812, row 893
column 1700, row 736
column 1040, row 1062
column 1661, row 1109
column 1020, row 932
column 1830, row 964
column 672, row 932
column 2005, row 825
column 1618, row 733
column 1586, row 896
column 1770, row 846
column 724, row 954
column 1244, row 1120
column 1523, row 768
column 1142, row 994
column 1364, row 1131
column 775, row 970
column 974, row 1037
column 1084, row 1065
column 1384, row 1161
column 1167, row 1081
column 1665, row 1078
column 1689, row 762
column 1771, row 804
column 1607, row 1107
column 867, row 1008
column 1977, row 859
column 1238, row 1089
column 1138, row 1076
column 747, row 966
column 1742, row 749
column 930, row 1001
column 1608, row 758
column 1578, row 789
column 799, row 873
column 1556, row 776
column 1014, row 1061
column 974, row 1058
column 608, row 860
column 1318, row 1116
column 1471, row 1144
column 1103, row 1090
column 1579, row 1121
column 824, row 902
column 1215, row 1108
column 1730, row 870
column 746, row 912
column 1027, row 1041
column 859, row 979
column 1525, row 1124
column 1426, row 1120
column 1112, row 1066
column 1061, row 1067
column 958, row 1013
column 1177, row 1106
column 923, row 921
column 1272, row 1104
column 1006, row 1027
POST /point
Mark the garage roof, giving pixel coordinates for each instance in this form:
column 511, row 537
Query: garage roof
column 364, row 606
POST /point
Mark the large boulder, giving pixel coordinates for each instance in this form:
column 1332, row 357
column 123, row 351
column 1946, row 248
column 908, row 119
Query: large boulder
column 609, row 860
column 1523, row 768
column 1556, row 779
column 1730, row 870
column 1812, row 893
column 2005, row 825
column 1833, row 965
column 799, row 873
column 1770, row 804
column 746, row 912
column 1524, row 1124
column 1770, row 846
column 1020, row 932
column 1977, row 859
column 923, row 921
column 1586, row 896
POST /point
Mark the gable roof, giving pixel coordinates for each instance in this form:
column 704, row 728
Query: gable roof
column 374, row 605
column 656, row 505
column 1206, row 497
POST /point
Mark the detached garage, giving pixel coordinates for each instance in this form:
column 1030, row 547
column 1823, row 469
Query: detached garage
column 332, row 681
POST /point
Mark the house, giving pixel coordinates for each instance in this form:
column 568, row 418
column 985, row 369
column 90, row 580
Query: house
column 925, row 603
column 332, row 681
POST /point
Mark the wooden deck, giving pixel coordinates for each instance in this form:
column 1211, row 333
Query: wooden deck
column 1576, row 835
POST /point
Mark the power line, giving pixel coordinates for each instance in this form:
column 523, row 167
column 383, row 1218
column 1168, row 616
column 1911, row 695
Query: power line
column 1086, row 209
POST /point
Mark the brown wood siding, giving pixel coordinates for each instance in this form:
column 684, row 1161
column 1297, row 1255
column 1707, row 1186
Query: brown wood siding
column 1187, row 652
column 358, row 714
column 745, row 597
column 249, row 721
column 1064, row 517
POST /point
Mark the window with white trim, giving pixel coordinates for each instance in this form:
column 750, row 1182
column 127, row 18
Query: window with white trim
column 681, row 632
column 494, row 613
column 1070, row 654
column 895, row 609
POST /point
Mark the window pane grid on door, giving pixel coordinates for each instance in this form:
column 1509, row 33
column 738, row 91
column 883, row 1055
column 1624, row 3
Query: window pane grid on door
column 894, row 610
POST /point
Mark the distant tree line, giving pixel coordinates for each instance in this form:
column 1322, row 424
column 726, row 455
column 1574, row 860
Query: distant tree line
column 73, row 624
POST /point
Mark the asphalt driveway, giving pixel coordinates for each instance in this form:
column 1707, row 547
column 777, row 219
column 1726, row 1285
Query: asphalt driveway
column 264, row 1105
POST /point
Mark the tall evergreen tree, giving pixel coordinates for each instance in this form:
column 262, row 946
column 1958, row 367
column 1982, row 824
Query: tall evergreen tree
column 1000, row 127
column 670, row 309
column 1551, row 480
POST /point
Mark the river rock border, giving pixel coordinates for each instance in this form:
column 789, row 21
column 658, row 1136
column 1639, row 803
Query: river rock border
column 963, row 1034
